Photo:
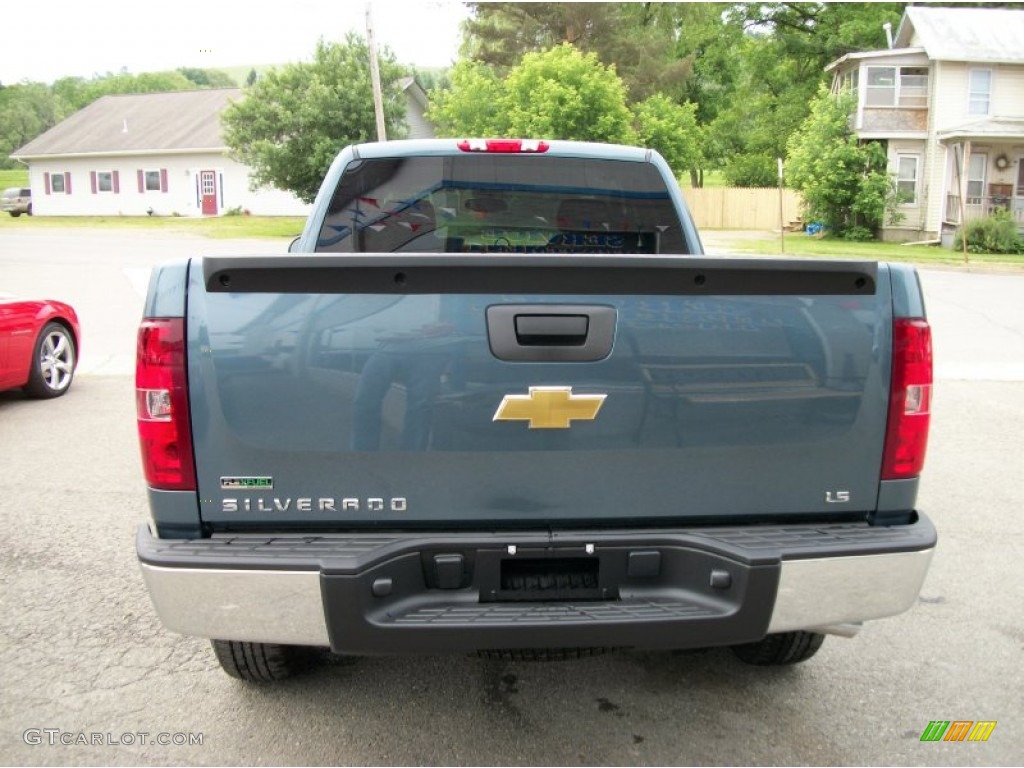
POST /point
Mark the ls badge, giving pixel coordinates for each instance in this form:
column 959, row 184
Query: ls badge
column 549, row 407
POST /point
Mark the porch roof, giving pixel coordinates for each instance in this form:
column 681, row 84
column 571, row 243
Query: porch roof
column 992, row 128
column 887, row 53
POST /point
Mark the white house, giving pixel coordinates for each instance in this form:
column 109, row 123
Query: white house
column 159, row 154
column 127, row 155
column 948, row 100
column 418, row 127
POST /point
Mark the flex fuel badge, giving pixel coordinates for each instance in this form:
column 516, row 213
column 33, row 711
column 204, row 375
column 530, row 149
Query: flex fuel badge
column 246, row 483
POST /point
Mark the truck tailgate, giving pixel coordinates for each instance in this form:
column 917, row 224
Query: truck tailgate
column 355, row 391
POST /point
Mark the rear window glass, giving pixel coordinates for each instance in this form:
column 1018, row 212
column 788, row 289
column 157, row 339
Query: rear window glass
column 479, row 203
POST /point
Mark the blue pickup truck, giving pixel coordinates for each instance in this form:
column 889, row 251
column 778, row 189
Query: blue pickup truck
column 495, row 399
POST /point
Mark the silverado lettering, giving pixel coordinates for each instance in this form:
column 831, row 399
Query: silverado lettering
column 308, row 504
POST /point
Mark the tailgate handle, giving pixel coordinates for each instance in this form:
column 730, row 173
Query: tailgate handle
column 551, row 332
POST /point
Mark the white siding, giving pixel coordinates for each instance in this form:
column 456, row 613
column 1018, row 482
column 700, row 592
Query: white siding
column 180, row 198
column 419, row 127
column 951, row 102
column 937, row 182
column 913, row 214
column 1008, row 87
column 950, row 109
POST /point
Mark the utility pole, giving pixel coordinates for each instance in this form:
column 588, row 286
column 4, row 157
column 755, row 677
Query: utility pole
column 378, row 99
column 782, row 218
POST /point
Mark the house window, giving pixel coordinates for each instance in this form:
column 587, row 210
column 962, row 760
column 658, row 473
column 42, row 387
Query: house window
column 906, row 178
column 897, row 87
column 881, row 90
column 913, row 87
column 104, row 181
column 58, row 183
column 979, row 92
column 849, row 82
column 976, row 179
column 152, row 181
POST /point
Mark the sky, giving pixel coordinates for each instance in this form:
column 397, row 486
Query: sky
column 49, row 39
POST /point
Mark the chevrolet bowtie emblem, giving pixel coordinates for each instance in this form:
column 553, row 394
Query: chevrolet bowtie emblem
column 549, row 407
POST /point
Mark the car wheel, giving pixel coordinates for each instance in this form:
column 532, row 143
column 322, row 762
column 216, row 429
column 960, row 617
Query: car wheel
column 782, row 648
column 260, row 662
column 15, row 214
column 30, row 209
column 53, row 362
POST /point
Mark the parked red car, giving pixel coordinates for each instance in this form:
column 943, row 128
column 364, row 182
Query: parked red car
column 39, row 343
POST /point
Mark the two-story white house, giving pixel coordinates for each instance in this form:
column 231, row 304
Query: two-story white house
column 947, row 98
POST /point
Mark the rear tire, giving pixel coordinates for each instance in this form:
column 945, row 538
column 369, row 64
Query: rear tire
column 783, row 648
column 260, row 662
column 15, row 214
column 53, row 362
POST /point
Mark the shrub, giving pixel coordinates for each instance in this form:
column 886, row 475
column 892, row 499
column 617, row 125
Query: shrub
column 857, row 234
column 759, row 170
column 993, row 234
column 843, row 181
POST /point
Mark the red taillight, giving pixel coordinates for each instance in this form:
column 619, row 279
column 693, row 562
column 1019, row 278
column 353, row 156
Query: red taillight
column 910, row 399
column 507, row 146
column 161, row 400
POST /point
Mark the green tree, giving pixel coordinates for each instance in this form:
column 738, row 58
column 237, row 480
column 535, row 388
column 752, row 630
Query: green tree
column 814, row 34
column 844, row 183
column 751, row 69
column 26, row 110
column 671, row 129
column 432, row 78
column 294, row 120
column 70, row 94
column 471, row 105
column 74, row 93
column 780, row 63
column 251, row 78
column 768, row 103
column 125, row 82
column 711, row 43
column 565, row 94
column 558, row 94
column 639, row 38
column 207, row 78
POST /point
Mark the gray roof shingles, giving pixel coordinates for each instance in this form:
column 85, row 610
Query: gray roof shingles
column 149, row 122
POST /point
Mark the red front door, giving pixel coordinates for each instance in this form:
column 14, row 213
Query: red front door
column 208, row 190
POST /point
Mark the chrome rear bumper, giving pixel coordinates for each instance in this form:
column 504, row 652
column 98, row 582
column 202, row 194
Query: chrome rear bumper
column 370, row 594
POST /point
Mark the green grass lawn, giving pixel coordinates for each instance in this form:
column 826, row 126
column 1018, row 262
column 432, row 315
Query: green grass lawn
column 287, row 227
column 219, row 227
column 799, row 244
column 13, row 177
